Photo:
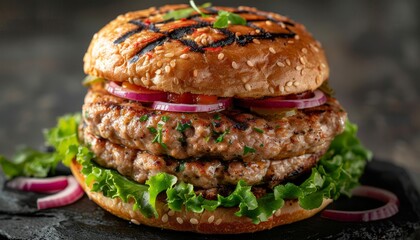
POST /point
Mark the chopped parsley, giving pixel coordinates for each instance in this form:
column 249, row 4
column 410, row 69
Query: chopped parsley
column 258, row 130
column 165, row 118
column 159, row 135
column 143, row 118
column 217, row 117
column 181, row 127
column 248, row 150
column 221, row 136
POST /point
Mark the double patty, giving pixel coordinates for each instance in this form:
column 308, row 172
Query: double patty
column 206, row 149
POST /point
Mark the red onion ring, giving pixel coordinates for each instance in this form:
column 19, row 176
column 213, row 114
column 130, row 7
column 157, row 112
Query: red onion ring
column 69, row 195
column 388, row 210
column 318, row 99
column 119, row 91
column 221, row 105
column 43, row 185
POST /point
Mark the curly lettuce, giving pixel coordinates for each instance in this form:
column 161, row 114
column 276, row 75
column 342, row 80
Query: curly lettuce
column 337, row 172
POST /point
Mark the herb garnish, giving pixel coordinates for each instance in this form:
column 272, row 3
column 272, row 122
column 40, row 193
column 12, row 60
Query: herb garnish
column 248, row 150
column 221, row 136
column 165, row 118
column 224, row 18
column 144, row 118
column 186, row 12
column 217, row 117
column 159, row 135
column 258, row 130
column 181, row 127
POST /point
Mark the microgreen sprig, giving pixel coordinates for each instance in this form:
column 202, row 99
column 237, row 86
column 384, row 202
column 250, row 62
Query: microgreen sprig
column 224, row 18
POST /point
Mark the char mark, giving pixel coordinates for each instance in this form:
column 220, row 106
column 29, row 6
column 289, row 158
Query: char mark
column 149, row 47
column 127, row 35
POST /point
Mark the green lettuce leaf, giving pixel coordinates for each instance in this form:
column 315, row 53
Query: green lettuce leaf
column 337, row 173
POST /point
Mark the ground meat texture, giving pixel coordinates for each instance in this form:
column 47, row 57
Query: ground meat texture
column 223, row 135
column 202, row 173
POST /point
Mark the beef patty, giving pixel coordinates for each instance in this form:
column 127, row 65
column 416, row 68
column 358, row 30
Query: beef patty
column 228, row 136
column 203, row 173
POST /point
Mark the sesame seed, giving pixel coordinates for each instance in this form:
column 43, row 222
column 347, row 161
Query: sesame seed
column 280, row 64
column 147, row 75
column 195, row 73
column 159, row 64
column 271, row 89
column 323, row 65
column 183, row 56
column 204, row 41
column 159, row 47
column 135, row 221
column 132, row 214
column 318, row 79
column 256, row 41
column 158, row 72
column 287, row 89
column 167, row 69
column 272, row 50
column 269, row 23
column 171, row 213
column 302, row 60
column 314, row 48
column 193, row 221
column 220, row 56
column 250, row 63
column 248, row 87
column 296, row 83
column 281, row 88
column 299, row 68
column 211, row 219
column 179, row 220
column 169, row 55
column 143, row 79
column 165, row 218
column 288, row 62
column 304, row 50
column 218, row 222
column 176, row 81
column 235, row 65
column 289, row 84
column 278, row 213
column 252, row 33
column 291, row 41
column 173, row 63
column 258, row 31
column 237, row 34
column 297, row 37
column 282, row 25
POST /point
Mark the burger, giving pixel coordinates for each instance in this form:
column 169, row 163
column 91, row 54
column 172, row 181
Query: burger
column 210, row 119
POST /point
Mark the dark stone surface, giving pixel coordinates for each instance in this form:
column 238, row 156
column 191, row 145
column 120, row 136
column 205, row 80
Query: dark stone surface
column 19, row 218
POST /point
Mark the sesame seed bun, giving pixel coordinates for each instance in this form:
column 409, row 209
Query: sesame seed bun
column 220, row 221
column 270, row 56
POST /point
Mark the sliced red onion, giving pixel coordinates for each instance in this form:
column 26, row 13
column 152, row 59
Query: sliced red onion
column 69, row 195
column 43, row 185
column 318, row 99
column 388, row 210
column 221, row 105
column 119, row 91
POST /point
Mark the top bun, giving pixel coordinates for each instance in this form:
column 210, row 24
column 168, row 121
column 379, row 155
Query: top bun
column 270, row 56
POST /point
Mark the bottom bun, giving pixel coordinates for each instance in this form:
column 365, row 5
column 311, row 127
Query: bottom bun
column 220, row 221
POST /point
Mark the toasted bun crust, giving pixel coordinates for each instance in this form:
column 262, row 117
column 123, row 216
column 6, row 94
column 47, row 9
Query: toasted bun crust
column 271, row 56
column 220, row 221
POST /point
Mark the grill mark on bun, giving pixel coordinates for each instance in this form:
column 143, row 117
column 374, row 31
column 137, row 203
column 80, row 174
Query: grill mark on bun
column 176, row 34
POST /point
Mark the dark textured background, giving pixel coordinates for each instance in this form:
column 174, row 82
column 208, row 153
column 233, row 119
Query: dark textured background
column 373, row 49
